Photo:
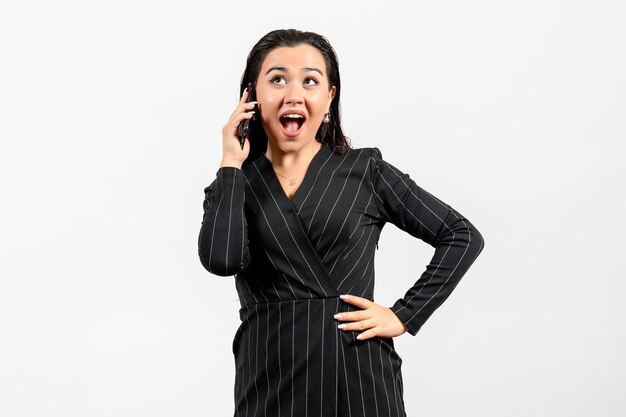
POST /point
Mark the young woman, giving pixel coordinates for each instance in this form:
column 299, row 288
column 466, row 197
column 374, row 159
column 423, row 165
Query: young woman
column 295, row 215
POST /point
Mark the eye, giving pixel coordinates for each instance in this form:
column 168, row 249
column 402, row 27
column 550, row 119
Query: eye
column 310, row 81
column 277, row 79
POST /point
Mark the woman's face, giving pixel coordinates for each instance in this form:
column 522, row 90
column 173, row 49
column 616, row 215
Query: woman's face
column 293, row 95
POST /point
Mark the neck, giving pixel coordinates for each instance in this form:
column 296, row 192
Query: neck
column 288, row 161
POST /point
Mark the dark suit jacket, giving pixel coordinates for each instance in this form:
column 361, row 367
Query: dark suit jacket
column 292, row 258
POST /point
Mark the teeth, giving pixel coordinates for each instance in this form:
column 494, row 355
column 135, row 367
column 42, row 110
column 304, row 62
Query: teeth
column 294, row 116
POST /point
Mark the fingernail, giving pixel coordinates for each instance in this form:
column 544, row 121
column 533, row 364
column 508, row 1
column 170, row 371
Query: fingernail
column 341, row 326
column 359, row 337
column 337, row 316
column 344, row 297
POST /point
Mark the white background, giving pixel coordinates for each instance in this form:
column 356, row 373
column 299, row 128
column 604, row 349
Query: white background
column 110, row 121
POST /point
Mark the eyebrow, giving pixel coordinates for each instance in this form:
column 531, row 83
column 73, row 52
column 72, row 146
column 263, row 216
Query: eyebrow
column 305, row 69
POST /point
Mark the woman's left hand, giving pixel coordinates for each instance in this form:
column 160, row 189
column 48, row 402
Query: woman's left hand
column 375, row 319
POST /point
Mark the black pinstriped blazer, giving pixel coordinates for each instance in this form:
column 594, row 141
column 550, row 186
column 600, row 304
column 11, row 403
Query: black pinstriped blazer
column 292, row 258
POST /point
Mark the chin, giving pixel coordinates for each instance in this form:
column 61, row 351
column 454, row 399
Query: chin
column 289, row 143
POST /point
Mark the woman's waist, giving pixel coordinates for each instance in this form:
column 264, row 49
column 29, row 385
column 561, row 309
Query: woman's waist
column 271, row 304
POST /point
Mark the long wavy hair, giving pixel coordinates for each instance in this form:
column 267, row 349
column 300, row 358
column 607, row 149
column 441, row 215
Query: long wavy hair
column 331, row 132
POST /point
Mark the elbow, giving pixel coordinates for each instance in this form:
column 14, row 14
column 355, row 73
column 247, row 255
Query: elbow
column 223, row 269
column 218, row 259
column 478, row 241
column 475, row 239
column 464, row 234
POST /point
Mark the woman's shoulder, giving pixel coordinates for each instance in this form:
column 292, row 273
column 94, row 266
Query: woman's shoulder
column 364, row 152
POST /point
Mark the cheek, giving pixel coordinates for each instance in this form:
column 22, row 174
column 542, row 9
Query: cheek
column 318, row 102
column 266, row 98
column 267, row 106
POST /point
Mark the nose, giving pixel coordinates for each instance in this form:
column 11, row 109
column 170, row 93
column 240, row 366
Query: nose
column 294, row 96
column 294, row 99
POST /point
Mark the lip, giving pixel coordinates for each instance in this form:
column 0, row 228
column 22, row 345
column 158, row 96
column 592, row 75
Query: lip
column 286, row 112
column 297, row 132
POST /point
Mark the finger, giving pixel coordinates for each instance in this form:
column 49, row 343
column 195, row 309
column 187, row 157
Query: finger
column 249, row 105
column 368, row 334
column 353, row 315
column 244, row 96
column 245, row 106
column 232, row 127
column 242, row 102
column 357, row 301
column 242, row 108
column 236, row 118
column 356, row 325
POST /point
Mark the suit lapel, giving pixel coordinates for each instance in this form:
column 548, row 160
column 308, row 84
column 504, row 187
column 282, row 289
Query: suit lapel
column 287, row 224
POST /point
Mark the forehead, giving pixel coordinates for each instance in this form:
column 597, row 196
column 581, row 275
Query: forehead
column 294, row 57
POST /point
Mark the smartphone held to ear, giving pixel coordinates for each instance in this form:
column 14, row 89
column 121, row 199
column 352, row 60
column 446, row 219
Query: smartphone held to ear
column 244, row 126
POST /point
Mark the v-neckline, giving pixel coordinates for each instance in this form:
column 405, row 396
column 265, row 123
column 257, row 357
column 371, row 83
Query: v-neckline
column 307, row 181
column 274, row 196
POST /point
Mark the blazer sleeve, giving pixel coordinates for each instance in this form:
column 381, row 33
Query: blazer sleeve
column 223, row 240
column 456, row 241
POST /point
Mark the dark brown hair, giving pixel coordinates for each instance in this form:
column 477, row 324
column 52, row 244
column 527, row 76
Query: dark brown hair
column 330, row 133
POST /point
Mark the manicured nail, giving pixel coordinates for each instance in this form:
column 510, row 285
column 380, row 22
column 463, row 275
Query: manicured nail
column 359, row 337
column 344, row 296
column 341, row 326
column 337, row 316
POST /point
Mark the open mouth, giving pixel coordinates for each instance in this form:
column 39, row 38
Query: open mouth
column 292, row 123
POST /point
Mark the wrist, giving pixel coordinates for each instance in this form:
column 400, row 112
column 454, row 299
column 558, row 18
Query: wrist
column 230, row 163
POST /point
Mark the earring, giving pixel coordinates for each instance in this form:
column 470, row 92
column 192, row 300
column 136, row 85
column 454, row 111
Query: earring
column 327, row 118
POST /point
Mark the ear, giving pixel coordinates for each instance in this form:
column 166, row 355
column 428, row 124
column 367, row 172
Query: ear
column 331, row 94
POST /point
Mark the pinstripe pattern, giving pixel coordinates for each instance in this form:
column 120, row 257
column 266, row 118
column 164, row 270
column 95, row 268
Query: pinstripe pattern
column 292, row 258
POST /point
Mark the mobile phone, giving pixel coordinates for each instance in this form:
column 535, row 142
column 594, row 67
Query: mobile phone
column 244, row 126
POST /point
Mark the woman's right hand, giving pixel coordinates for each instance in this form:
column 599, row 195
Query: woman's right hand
column 233, row 155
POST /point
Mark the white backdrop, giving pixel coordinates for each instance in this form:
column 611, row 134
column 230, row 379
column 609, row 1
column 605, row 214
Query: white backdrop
column 110, row 121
